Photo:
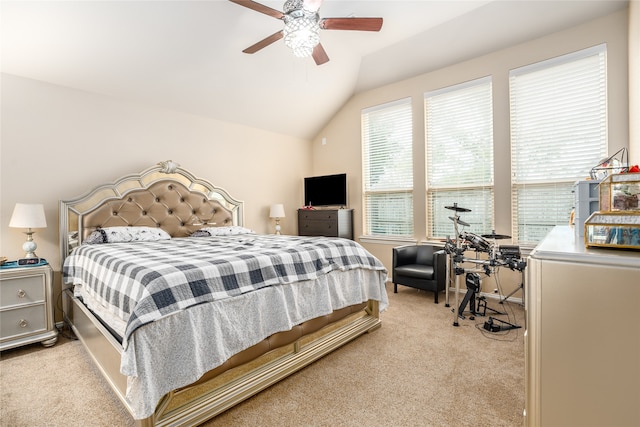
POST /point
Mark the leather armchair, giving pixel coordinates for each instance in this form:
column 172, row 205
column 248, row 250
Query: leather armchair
column 421, row 267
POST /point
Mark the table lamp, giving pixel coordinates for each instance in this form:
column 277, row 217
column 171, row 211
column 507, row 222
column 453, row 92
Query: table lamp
column 28, row 216
column 277, row 212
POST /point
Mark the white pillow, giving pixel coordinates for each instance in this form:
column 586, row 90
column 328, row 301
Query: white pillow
column 127, row 234
column 222, row 231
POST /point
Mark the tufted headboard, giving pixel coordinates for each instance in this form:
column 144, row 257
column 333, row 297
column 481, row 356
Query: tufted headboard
column 165, row 196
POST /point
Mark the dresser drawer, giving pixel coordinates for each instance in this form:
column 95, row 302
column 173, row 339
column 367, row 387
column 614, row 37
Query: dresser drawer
column 318, row 228
column 24, row 320
column 22, row 290
column 326, row 222
column 318, row 215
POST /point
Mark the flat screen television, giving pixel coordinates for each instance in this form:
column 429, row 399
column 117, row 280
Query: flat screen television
column 326, row 190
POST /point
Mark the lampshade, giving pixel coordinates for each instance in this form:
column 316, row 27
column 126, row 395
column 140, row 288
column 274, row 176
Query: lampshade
column 276, row 211
column 27, row 215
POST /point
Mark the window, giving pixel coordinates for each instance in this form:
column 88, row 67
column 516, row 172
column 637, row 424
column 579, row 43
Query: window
column 459, row 138
column 387, row 163
column 558, row 132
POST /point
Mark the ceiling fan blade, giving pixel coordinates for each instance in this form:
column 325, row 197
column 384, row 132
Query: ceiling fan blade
column 264, row 42
column 259, row 8
column 319, row 55
column 359, row 24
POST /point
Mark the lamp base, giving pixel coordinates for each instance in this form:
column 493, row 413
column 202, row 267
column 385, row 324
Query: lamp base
column 30, row 246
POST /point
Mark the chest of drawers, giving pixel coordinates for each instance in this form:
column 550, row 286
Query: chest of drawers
column 26, row 307
column 326, row 222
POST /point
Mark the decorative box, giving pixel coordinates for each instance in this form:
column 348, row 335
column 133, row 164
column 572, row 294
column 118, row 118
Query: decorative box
column 621, row 193
column 612, row 230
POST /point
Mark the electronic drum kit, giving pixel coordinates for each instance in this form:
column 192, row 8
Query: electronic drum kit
column 498, row 256
column 479, row 243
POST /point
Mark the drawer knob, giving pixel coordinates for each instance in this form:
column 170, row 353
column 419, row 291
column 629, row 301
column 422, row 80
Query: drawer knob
column 21, row 293
column 23, row 323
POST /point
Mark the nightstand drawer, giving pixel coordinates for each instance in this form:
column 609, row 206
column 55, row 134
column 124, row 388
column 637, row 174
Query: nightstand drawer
column 21, row 321
column 22, row 290
column 26, row 307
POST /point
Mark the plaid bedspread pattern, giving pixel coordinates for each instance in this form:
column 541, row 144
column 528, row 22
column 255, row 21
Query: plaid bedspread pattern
column 144, row 281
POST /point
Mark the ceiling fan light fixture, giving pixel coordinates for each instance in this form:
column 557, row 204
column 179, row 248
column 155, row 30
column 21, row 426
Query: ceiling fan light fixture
column 301, row 32
column 302, row 25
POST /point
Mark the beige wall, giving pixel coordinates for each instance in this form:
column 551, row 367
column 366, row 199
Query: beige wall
column 58, row 143
column 634, row 82
column 342, row 150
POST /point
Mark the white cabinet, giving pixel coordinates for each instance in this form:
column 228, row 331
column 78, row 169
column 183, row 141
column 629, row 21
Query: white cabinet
column 582, row 339
column 26, row 307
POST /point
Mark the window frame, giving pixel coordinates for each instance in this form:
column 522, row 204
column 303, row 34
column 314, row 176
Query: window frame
column 478, row 124
column 567, row 166
column 375, row 222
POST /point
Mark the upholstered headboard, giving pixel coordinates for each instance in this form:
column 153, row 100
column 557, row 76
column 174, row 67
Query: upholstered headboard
column 165, row 196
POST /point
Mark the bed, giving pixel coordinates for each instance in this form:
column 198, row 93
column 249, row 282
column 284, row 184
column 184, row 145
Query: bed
column 185, row 311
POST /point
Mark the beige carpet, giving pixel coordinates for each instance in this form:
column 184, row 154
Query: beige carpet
column 417, row 370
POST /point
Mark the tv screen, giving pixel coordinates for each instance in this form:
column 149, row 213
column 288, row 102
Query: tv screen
column 326, row 190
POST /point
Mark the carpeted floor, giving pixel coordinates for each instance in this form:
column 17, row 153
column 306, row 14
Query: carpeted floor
column 417, row 370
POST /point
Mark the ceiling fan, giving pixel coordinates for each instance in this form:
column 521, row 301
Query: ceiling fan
column 302, row 26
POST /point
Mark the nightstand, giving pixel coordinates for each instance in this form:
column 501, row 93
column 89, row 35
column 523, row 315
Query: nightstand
column 26, row 307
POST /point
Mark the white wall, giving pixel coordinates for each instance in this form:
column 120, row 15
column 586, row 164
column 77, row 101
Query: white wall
column 57, row 143
column 343, row 135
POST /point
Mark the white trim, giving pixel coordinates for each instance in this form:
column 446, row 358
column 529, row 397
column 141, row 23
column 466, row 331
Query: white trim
column 388, row 240
column 402, row 101
column 562, row 59
column 459, row 86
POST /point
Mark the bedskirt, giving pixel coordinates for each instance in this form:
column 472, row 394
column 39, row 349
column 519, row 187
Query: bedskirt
column 161, row 357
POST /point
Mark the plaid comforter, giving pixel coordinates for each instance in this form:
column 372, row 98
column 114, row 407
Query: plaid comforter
column 141, row 282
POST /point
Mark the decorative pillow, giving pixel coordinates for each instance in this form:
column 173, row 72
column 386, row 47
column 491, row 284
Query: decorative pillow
column 222, row 231
column 98, row 236
column 200, row 233
column 126, row 234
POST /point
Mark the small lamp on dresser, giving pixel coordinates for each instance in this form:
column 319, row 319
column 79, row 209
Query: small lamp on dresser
column 277, row 212
column 28, row 216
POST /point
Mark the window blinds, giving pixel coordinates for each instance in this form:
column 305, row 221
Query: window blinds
column 459, row 146
column 387, row 160
column 558, row 132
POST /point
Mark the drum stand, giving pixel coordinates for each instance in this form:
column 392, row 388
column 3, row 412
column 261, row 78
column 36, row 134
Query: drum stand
column 455, row 256
column 521, row 287
column 456, row 220
column 472, row 281
column 477, row 305
column 458, row 253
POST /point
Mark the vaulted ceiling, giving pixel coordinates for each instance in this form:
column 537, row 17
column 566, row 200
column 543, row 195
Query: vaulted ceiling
column 187, row 55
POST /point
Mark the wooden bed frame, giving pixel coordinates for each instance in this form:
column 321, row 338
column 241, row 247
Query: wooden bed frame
column 170, row 197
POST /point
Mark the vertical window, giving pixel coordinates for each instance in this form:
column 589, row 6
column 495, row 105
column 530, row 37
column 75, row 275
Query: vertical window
column 558, row 132
column 459, row 138
column 387, row 163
